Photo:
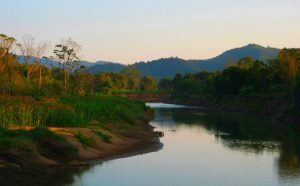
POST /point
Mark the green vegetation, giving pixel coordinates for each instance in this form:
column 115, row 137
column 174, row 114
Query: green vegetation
column 27, row 75
column 84, row 140
column 18, row 113
column 34, row 141
column 36, row 96
column 158, row 91
column 106, row 109
column 70, row 111
column 268, row 89
column 105, row 137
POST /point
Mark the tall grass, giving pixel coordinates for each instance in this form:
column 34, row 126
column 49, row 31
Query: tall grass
column 106, row 108
column 16, row 113
column 69, row 111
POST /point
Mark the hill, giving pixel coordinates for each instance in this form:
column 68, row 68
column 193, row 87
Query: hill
column 106, row 67
column 168, row 67
column 92, row 67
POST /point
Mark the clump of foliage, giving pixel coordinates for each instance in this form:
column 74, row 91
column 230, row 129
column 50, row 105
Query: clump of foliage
column 268, row 88
column 84, row 140
column 247, row 77
column 104, row 136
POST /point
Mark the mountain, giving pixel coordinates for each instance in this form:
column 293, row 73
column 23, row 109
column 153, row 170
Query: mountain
column 168, row 67
column 92, row 67
column 106, row 67
column 257, row 52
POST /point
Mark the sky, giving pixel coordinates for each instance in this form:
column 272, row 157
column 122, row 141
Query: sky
column 128, row 31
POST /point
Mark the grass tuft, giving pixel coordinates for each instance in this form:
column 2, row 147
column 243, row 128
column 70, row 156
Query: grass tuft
column 85, row 141
column 104, row 136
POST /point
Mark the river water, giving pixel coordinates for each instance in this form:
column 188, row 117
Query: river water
column 203, row 149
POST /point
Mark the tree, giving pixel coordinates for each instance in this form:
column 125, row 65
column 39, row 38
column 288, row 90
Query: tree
column 67, row 55
column 148, row 83
column 85, row 84
column 32, row 54
column 246, row 63
column 166, row 84
column 7, row 58
column 133, row 77
column 288, row 68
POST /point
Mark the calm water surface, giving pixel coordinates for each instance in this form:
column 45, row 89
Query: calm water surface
column 200, row 149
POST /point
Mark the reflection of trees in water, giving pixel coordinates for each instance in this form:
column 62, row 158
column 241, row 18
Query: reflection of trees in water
column 289, row 161
column 164, row 116
column 62, row 177
column 252, row 146
column 250, row 134
column 39, row 175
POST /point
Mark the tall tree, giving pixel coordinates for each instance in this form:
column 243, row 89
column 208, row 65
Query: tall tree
column 7, row 58
column 288, row 68
column 32, row 54
column 148, row 83
column 133, row 77
column 67, row 55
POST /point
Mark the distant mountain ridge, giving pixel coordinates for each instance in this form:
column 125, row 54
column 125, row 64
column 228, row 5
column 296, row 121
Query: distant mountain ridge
column 257, row 52
column 169, row 67
column 92, row 67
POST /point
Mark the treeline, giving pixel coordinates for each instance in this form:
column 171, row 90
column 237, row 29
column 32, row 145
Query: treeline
column 26, row 75
column 246, row 80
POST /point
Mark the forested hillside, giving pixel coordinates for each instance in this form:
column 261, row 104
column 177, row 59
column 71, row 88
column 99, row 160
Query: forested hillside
column 168, row 67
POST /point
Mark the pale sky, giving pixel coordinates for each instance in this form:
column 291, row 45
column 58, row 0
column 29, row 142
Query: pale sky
column 128, row 31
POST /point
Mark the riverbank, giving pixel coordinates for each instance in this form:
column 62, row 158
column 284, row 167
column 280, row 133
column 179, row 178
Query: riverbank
column 76, row 151
column 39, row 136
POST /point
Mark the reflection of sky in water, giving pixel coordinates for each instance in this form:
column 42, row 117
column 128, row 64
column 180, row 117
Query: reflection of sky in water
column 193, row 155
column 163, row 105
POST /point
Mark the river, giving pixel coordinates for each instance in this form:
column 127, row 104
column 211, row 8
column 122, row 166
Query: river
column 203, row 149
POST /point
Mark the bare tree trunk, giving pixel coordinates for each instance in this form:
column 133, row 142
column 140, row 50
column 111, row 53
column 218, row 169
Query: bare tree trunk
column 65, row 78
column 29, row 69
column 40, row 78
column 32, row 54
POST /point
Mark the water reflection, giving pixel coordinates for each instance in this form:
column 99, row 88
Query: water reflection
column 202, row 148
column 245, row 134
column 64, row 177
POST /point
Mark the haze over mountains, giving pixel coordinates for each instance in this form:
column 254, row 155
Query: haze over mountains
column 168, row 67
